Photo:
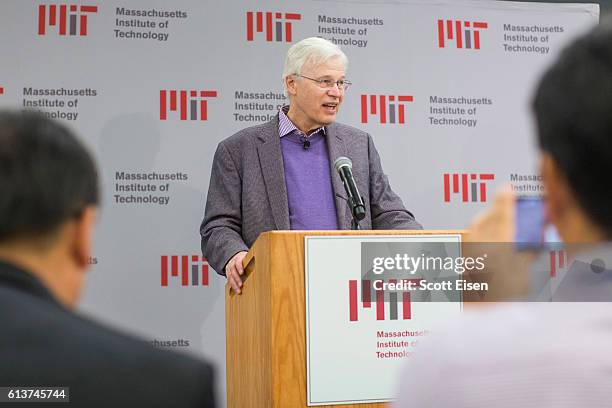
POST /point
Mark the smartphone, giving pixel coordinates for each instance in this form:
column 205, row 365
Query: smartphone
column 532, row 229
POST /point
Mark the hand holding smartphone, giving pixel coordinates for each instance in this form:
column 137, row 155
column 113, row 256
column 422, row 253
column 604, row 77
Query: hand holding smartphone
column 532, row 229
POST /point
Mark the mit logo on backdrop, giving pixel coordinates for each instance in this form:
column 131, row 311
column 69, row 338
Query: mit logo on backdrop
column 190, row 270
column 387, row 108
column 66, row 19
column 464, row 34
column 189, row 105
column 470, row 187
column 275, row 26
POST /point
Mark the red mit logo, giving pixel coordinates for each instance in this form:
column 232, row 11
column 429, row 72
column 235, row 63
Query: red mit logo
column 366, row 301
column 558, row 262
column 274, row 25
column 385, row 107
column 1, row 90
column 192, row 102
column 461, row 32
column 67, row 18
column 469, row 186
column 196, row 264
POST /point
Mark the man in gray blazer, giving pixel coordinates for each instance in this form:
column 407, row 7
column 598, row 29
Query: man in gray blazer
column 279, row 175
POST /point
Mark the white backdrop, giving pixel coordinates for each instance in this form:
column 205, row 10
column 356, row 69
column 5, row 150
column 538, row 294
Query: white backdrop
column 108, row 69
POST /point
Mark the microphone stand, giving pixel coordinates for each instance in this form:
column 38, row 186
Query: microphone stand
column 353, row 207
column 354, row 220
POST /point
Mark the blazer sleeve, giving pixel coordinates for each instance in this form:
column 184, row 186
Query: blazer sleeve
column 387, row 208
column 221, row 229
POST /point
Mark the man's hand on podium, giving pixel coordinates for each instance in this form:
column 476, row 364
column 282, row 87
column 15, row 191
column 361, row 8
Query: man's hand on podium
column 234, row 271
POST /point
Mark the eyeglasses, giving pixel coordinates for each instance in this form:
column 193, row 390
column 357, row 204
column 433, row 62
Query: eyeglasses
column 343, row 84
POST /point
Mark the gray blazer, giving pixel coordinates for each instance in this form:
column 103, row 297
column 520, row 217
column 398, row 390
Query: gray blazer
column 247, row 194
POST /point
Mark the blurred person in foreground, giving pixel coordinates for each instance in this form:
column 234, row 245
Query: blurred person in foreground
column 541, row 354
column 48, row 204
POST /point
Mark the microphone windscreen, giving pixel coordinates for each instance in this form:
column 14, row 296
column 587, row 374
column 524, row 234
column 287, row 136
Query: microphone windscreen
column 343, row 162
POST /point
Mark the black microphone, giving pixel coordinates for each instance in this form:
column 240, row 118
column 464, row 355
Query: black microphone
column 305, row 142
column 344, row 166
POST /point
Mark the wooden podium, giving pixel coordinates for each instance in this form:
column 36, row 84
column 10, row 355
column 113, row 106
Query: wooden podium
column 265, row 325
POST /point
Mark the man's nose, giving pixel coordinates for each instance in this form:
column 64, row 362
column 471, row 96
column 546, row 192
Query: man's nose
column 334, row 90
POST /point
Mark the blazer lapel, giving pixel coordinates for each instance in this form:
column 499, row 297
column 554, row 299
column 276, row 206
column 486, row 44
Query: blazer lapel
column 271, row 162
column 337, row 148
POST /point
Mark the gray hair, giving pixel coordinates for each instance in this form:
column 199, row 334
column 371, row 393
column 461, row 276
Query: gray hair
column 313, row 49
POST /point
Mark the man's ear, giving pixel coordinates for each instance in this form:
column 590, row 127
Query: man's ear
column 83, row 242
column 290, row 84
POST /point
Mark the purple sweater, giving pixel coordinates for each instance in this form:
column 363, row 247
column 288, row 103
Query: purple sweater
column 308, row 179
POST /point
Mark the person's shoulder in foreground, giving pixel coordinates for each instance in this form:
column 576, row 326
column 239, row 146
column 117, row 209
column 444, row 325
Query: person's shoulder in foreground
column 515, row 355
column 44, row 344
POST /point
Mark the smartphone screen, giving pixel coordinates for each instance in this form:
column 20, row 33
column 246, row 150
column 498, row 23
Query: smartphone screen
column 532, row 230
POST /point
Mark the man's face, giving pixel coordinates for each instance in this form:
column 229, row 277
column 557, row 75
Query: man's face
column 311, row 105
